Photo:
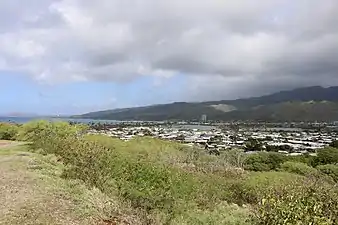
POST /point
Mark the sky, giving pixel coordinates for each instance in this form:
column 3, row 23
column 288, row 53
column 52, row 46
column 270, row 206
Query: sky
column 75, row 56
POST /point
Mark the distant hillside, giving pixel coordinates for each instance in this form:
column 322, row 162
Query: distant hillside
column 303, row 104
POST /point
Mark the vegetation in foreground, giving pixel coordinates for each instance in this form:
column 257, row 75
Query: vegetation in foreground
column 33, row 192
column 167, row 183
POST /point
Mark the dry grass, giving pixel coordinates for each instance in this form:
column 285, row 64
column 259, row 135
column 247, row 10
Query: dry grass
column 32, row 192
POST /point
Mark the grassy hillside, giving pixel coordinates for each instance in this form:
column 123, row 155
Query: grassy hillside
column 33, row 192
column 311, row 104
column 150, row 181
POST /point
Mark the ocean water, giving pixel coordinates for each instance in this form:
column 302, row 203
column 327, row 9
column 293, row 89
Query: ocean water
column 21, row 120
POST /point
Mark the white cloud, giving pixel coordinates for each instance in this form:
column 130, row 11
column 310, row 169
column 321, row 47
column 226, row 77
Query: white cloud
column 221, row 42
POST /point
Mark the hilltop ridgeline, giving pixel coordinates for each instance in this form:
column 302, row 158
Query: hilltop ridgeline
column 304, row 104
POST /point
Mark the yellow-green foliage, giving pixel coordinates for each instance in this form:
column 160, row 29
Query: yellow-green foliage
column 299, row 168
column 255, row 186
column 8, row 131
column 302, row 204
column 144, row 172
column 330, row 170
column 42, row 133
column 327, row 155
column 222, row 214
column 264, row 161
column 169, row 183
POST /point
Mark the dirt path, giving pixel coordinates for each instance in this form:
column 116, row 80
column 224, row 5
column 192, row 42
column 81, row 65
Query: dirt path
column 7, row 144
column 32, row 192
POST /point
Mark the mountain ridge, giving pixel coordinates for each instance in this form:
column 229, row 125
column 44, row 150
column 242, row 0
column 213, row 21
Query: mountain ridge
column 301, row 104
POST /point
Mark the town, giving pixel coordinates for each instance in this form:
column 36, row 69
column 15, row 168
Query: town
column 287, row 138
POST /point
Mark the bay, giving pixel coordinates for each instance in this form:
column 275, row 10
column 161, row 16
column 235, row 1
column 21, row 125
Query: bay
column 22, row 120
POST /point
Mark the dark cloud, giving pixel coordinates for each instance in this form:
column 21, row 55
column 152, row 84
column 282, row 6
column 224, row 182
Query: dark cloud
column 225, row 48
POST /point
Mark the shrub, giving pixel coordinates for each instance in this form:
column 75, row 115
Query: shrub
column 302, row 204
column 329, row 169
column 252, row 188
column 264, row 161
column 298, row 168
column 43, row 134
column 234, row 157
column 327, row 155
column 305, row 158
column 8, row 131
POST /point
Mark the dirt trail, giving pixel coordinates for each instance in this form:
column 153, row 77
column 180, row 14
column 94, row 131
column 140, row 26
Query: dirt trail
column 6, row 144
column 29, row 197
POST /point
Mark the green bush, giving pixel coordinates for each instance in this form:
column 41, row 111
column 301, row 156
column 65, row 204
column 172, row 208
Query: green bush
column 8, row 131
column 264, row 161
column 325, row 156
column 252, row 188
column 43, row 134
column 304, row 158
column 299, row 168
column 299, row 203
column 330, row 170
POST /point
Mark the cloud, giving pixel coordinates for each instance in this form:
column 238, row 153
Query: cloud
column 223, row 47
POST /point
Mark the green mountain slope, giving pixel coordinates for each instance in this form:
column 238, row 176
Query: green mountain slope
column 289, row 111
column 303, row 104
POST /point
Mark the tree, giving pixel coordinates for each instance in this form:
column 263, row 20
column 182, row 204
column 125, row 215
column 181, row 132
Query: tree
column 287, row 148
column 275, row 160
column 272, row 148
column 253, row 145
column 268, row 138
column 326, row 156
column 180, row 137
column 334, row 144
